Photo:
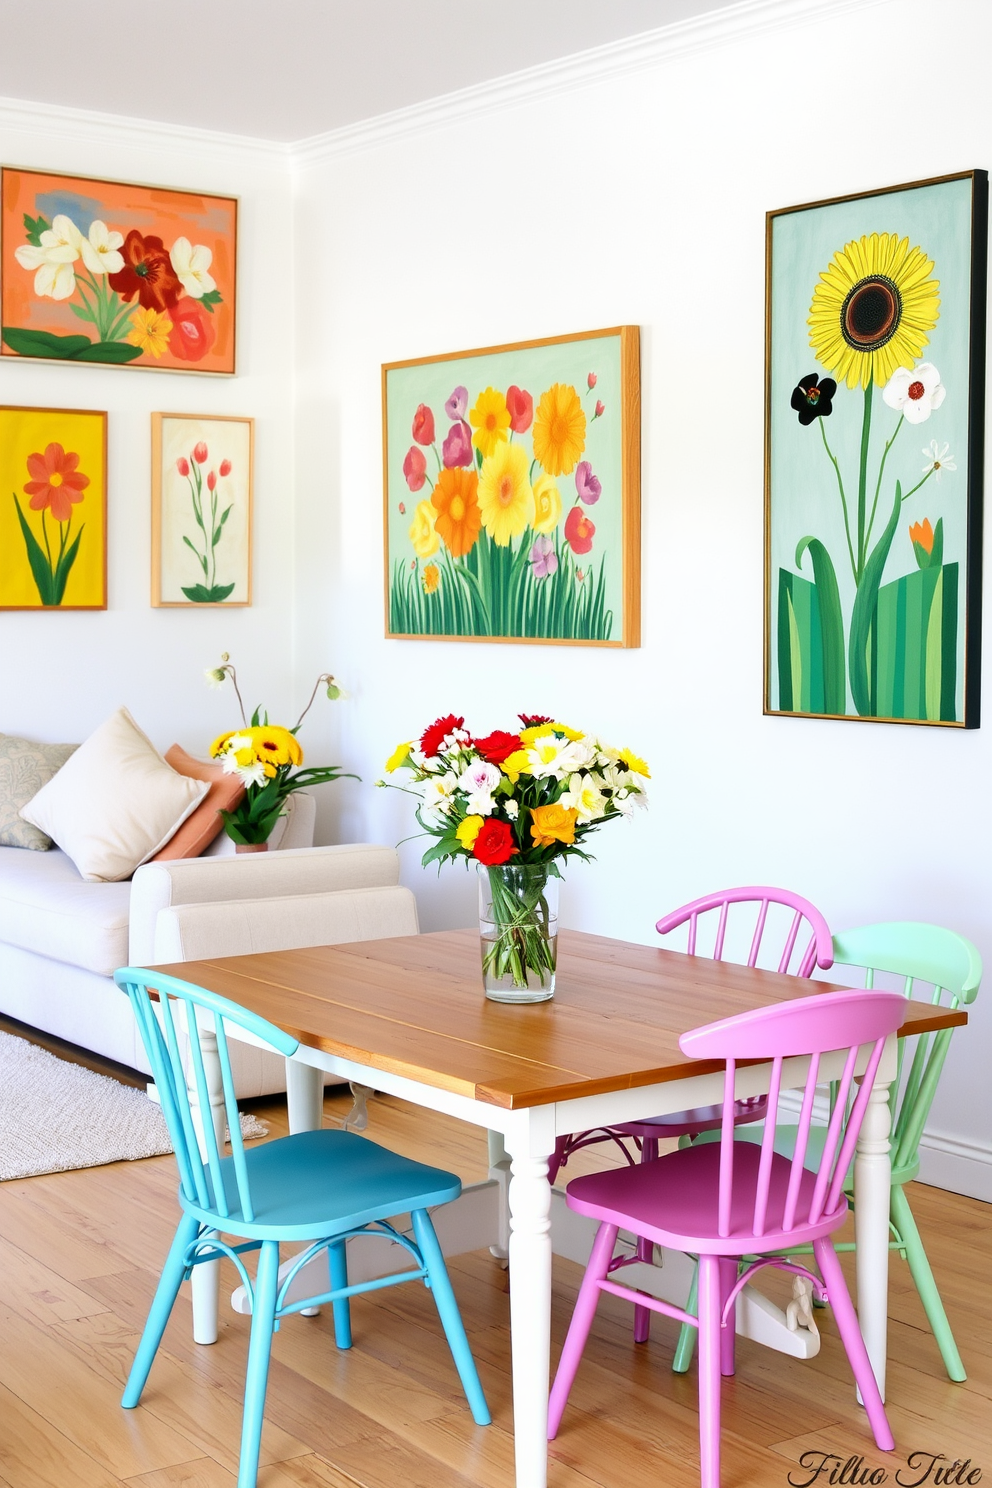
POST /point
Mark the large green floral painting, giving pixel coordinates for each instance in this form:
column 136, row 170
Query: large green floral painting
column 512, row 497
column 874, row 433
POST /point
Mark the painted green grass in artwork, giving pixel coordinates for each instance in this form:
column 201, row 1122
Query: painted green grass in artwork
column 492, row 591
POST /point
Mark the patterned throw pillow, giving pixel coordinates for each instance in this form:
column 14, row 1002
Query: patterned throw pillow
column 24, row 768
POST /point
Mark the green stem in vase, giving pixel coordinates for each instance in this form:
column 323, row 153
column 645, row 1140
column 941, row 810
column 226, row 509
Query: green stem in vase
column 523, row 937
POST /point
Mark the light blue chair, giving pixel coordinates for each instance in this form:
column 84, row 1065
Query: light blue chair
column 318, row 1186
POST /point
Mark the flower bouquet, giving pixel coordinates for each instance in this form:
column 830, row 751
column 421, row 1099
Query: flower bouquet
column 516, row 803
column 264, row 756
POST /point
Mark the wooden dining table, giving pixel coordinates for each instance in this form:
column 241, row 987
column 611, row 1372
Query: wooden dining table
column 407, row 1016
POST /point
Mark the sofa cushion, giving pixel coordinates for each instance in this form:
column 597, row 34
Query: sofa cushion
column 115, row 802
column 199, row 830
column 24, row 768
column 46, row 907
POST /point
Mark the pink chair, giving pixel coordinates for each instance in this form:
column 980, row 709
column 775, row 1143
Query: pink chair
column 797, row 956
column 723, row 1201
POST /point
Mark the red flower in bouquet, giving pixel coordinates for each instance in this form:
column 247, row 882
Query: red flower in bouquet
column 432, row 738
column 193, row 332
column 521, row 408
column 533, row 720
column 147, row 273
column 494, row 843
column 498, row 746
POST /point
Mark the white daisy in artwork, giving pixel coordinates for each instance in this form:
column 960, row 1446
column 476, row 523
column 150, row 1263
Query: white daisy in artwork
column 938, row 458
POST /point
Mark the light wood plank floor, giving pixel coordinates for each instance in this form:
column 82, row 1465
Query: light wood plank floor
column 79, row 1256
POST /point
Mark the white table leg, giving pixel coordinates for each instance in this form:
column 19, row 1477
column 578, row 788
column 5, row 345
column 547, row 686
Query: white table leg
column 872, row 1180
column 304, row 1096
column 499, row 1172
column 530, row 1145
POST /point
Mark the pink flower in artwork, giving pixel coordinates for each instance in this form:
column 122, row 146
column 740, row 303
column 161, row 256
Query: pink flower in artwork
column 579, row 531
column 402, row 508
column 600, row 409
column 457, row 448
column 423, row 425
column 200, row 452
column 225, row 468
column 543, row 558
column 457, row 404
column 182, row 465
column 591, row 380
column 415, row 468
column 521, row 409
column 212, row 481
column 587, row 484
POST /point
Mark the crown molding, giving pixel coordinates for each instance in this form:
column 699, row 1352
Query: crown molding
column 20, row 116
column 649, row 49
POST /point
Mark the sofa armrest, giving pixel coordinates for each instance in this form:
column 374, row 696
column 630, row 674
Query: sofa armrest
column 197, row 932
column 250, row 876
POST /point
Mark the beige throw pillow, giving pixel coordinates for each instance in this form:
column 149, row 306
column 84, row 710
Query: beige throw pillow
column 24, row 768
column 115, row 802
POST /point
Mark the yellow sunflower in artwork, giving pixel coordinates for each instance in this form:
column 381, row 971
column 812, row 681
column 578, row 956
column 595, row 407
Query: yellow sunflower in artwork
column 506, row 499
column 559, row 429
column 873, row 309
column 490, row 419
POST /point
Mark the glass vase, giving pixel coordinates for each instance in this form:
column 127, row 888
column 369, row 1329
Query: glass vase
column 518, row 925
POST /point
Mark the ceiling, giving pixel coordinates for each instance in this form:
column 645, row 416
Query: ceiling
column 288, row 69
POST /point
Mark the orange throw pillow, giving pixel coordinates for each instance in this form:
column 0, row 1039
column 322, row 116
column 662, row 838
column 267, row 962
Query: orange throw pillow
column 204, row 824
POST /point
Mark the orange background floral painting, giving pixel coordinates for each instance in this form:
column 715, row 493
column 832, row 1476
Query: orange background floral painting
column 53, row 509
column 97, row 271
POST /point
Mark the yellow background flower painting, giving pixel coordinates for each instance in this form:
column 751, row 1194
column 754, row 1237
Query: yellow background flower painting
column 512, row 492
column 875, row 389
column 53, row 509
column 98, row 271
column 201, row 509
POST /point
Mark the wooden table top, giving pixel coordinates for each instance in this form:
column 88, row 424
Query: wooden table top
column 414, row 1006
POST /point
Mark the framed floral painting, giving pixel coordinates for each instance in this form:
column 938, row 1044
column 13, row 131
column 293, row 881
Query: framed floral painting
column 874, row 425
column 512, row 492
column 53, row 509
column 99, row 271
column 201, row 509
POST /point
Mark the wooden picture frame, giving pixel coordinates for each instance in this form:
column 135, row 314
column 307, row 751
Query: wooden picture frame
column 874, row 448
column 202, row 472
column 53, row 524
column 511, row 492
column 117, row 274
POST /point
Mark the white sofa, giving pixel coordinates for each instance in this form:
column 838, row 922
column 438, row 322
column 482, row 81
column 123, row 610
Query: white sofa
column 61, row 938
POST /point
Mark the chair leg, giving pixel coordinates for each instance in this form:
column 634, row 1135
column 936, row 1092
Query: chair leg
column 645, row 1252
column 728, row 1334
column 578, row 1328
column 451, row 1318
column 919, row 1266
column 162, row 1304
column 259, row 1350
column 686, row 1345
column 710, row 1307
column 557, row 1158
column 337, row 1265
column 854, row 1344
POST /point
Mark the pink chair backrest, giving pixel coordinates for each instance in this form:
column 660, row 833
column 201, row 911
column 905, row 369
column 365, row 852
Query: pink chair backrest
column 818, row 952
column 807, row 1026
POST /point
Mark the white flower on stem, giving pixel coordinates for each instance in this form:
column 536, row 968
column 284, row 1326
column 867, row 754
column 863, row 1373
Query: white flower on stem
column 624, row 802
column 436, row 793
column 53, row 259
column 216, row 676
column 99, row 250
column 480, row 778
column 915, row 393
column 558, row 757
column 585, row 796
column 191, row 265
column 512, row 809
column 253, row 774
column 938, row 458
column 480, row 803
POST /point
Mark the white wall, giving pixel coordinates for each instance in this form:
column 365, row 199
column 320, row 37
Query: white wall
column 641, row 198
column 61, row 674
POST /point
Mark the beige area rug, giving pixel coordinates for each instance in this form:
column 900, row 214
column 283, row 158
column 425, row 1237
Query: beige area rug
column 55, row 1116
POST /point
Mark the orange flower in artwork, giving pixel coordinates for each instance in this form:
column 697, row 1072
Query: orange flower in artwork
column 455, row 499
column 56, row 482
column 922, row 533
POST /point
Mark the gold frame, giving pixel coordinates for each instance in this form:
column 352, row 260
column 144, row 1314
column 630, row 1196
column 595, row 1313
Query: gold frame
column 630, row 497
column 91, row 413
column 156, row 554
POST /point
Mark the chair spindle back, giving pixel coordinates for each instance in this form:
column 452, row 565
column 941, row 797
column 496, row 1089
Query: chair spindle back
column 818, row 950
column 808, row 1027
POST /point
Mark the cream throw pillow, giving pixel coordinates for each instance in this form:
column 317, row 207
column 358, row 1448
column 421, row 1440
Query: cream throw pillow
column 114, row 802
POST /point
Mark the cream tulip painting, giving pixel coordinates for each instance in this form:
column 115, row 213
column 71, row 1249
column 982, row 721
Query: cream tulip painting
column 873, row 489
column 96, row 271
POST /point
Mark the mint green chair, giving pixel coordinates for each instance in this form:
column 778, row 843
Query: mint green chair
column 952, row 967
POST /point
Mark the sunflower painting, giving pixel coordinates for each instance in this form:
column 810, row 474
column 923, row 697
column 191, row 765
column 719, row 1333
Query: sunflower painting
column 53, row 509
column 875, row 399
column 512, row 492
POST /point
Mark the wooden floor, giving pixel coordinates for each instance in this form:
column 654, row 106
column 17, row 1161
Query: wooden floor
column 79, row 1257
